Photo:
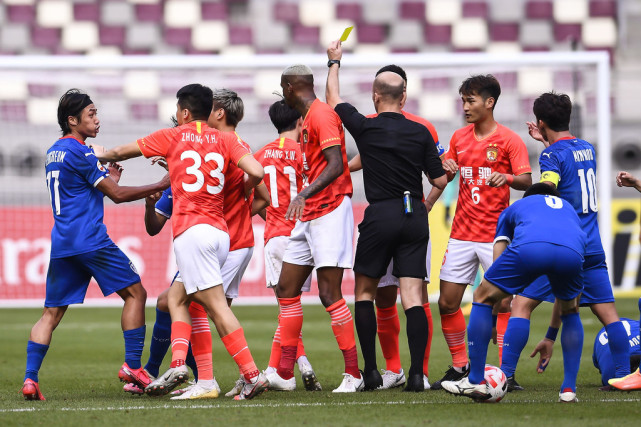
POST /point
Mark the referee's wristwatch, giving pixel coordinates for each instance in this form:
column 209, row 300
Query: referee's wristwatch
column 334, row 61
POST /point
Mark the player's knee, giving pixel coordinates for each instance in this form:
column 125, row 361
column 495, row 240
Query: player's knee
column 447, row 306
column 328, row 297
column 162, row 303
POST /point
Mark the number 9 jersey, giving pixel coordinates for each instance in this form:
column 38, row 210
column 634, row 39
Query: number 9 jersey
column 198, row 157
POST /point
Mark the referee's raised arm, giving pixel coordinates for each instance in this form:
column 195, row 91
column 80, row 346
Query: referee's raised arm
column 334, row 55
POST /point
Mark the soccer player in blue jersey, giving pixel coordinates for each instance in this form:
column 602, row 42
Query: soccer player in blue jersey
column 539, row 234
column 569, row 165
column 80, row 246
column 602, row 356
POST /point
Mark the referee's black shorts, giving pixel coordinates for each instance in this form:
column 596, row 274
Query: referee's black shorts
column 387, row 233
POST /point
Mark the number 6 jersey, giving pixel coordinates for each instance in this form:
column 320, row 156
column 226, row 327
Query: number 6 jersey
column 198, row 157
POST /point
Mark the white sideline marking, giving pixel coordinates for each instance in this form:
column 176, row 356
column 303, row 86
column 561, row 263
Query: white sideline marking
column 274, row 405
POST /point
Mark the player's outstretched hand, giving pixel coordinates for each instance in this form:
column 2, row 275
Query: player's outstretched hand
column 161, row 161
column 535, row 133
column 295, row 209
column 497, row 179
column 115, row 171
column 152, row 199
column 97, row 149
column 450, row 167
column 626, row 179
column 335, row 50
column 545, row 348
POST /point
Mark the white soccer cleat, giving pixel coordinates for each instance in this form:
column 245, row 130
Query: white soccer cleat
column 465, row 388
column 179, row 391
column 237, row 388
column 391, row 379
column 198, row 391
column 426, row 382
column 567, row 396
column 168, row 381
column 350, row 384
column 278, row 383
column 252, row 389
column 308, row 376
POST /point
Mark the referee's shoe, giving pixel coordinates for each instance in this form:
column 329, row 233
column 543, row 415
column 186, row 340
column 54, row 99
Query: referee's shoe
column 452, row 374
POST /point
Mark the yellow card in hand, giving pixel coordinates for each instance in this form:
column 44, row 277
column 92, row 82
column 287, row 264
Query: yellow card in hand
column 346, row 33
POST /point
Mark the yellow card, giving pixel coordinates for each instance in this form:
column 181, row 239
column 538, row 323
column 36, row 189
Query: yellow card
column 346, row 33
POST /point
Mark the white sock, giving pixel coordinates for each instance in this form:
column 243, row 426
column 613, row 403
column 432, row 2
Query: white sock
column 206, row 383
column 270, row 370
column 303, row 361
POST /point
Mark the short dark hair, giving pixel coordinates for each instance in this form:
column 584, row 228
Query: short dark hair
column 486, row 86
column 392, row 68
column 388, row 91
column 541, row 188
column 283, row 116
column 554, row 109
column 196, row 98
column 233, row 105
column 71, row 103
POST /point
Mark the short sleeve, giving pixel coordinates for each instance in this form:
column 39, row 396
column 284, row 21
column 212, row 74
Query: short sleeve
column 157, row 144
column 353, row 120
column 549, row 162
column 519, row 159
column 89, row 167
column 505, row 226
column 433, row 165
column 450, row 154
column 165, row 205
column 328, row 127
column 235, row 149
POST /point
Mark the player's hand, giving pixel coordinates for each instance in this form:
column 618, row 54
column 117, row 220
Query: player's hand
column 152, row 199
column 428, row 205
column 335, row 50
column 545, row 348
column 161, row 161
column 295, row 209
column 497, row 179
column 534, row 131
column 626, row 179
column 115, row 171
column 450, row 167
column 97, row 149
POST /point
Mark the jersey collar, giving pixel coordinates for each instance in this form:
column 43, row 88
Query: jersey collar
column 73, row 137
column 566, row 138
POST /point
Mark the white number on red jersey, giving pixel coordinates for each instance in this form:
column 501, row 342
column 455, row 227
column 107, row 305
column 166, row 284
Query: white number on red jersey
column 273, row 186
column 200, row 178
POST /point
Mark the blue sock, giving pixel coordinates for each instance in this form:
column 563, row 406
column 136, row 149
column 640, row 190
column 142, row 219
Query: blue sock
column 160, row 341
column 619, row 347
column 35, row 355
column 479, row 333
column 191, row 362
column 572, row 345
column 134, row 343
column 516, row 336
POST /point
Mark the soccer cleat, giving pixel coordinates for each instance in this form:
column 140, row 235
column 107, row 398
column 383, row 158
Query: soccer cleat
column 452, row 374
column 168, row 381
column 512, row 385
column 350, row 384
column 372, row 380
column 391, row 379
column 254, row 388
column 197, row 391
column 463, row 387
column 426, row 383
column 31, row 390
column 133, row 389
column 567, row 396
column 627, row 383
column 415, row 383
column 278, row 383
column 607, row 387
column 238, row 386
column 180, row 391
column 308, row 376
column 140, row 377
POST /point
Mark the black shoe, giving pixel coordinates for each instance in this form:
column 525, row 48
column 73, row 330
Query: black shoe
column 414, row 383
column 372, row 379
column 607, row 387
column 451, row 375
column 512, row 385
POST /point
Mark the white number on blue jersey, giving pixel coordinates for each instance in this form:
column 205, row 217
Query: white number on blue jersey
column 554, row 202
column 273, row 186
column 200, row 178
column 588, row 190
column 54, row 193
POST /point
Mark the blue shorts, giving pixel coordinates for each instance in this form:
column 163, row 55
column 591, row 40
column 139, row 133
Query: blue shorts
column 521, row 265
column 68, row 278
column 596, row 283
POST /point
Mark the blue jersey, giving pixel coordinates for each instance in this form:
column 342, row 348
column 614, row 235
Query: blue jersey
column 165, row 205
column 601, row 354
column 72, row 172
column 540, row 218
column 571, row 165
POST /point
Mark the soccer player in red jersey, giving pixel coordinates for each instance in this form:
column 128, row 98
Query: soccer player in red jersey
column 283, row 164
column 490, row 158
column 198, row 157
column 323, row 234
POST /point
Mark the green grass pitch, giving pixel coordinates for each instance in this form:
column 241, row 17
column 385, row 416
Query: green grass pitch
column 79, row 380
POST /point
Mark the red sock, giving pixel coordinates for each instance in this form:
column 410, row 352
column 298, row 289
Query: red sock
column 430, row 325
column 201, row 341
column 389, row 327
column 236, row 345
column 453, row 326
column 291, row 323
column 300, row 348
column 343, row 327
column 180, row 333
column 274, row 357
column 501, row 326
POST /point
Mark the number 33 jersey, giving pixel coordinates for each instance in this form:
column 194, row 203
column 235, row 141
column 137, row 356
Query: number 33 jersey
column 570, row 164
column 198, row 157
column 479, row 205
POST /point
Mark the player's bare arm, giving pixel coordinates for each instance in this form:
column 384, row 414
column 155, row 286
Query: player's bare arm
column 518, row 182
column 626, row 179
column 154, row 222
column 115, row 171
column 433, row 196
column 334, row 53
column 253, row 169
column 261, row 199
column 355, row 164
column 121, row 194
column 333, row 170
column 121, row 152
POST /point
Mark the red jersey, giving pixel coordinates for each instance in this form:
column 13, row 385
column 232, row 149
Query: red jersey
column 237, row 209
column 479, row 205
column 322, row 128
column 282, row 161
column 198, row 157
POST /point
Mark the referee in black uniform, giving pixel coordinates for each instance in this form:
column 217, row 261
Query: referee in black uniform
column 395, row 152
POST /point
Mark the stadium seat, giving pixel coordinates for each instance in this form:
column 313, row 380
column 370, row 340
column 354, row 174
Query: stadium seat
column 13, row 111
column 24, row 13
column 438, row 34
column 42, row 89
column 503, row 48
column 116, row 13
column 504, row 32
column 86, row 12
column 371, row 49
column 570, row 11
column 405, row 33
column 438, row 106
column 539, row 9
column 349, row 11
column 42, row 111
column 476, row 9
column 45, row 37
column 54, row 13
column 286, row 12
column 380, row 12
column 603, row 8
column 535, row 33
column 149, row 12
column 271, row 36
column 214, row 11
column 141, row 85
column 534, row 81
column 302, row 35
column 412, row 10
column 13, row 87
column 80, row 36
column 599, row 32
column 315, row 12
column 507, row 11
column 240, row 35
column 238, row 50
column 144, row 110
column 469, row 33
column 567, row 32
column 210, row 35
column 142, row 35
column 111, row 35
column 266, row 82
column 371, row 33
column 440, row 12
column 182, row 13
column 177, row 36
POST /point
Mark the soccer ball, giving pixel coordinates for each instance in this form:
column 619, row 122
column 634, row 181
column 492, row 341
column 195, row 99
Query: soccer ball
column 496, row 383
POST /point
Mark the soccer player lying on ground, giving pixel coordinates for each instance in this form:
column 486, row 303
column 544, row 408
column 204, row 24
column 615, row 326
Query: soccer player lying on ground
column 569, row 165
column 198, row 157
column 283, row 164
column 387, row 321
column 539, row 234
column 395, row 153
column 602, row 356
column 80, row 247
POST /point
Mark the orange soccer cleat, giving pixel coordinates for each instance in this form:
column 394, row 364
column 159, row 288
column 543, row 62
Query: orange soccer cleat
column 139, row 377
column 627, row 383
column 31, row 390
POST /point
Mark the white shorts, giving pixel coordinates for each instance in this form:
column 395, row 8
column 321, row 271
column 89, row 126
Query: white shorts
column 274, row 251
column 233, row 269
column 200, row 250
column 390, row 280
column 327, row 241
column 462, row 258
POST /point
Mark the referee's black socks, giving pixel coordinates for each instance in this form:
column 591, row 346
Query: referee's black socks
column 417, row 331
column 365, row 320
